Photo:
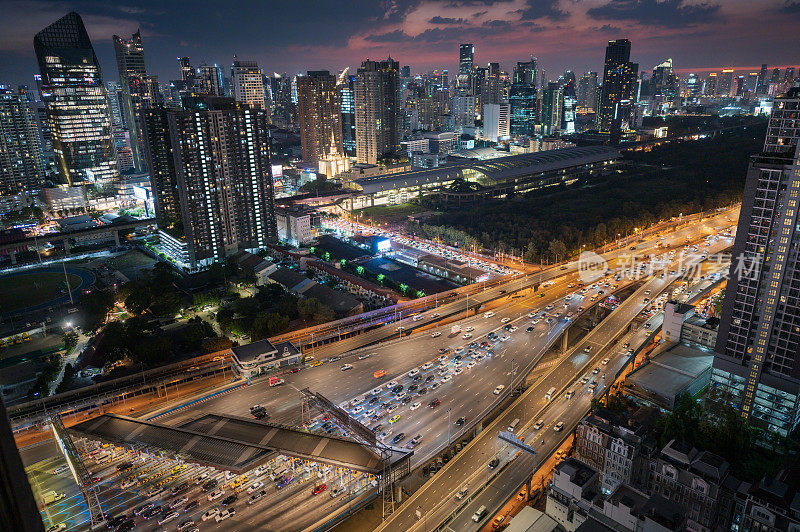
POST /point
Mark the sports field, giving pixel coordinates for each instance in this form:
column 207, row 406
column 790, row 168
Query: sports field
column 24, row 290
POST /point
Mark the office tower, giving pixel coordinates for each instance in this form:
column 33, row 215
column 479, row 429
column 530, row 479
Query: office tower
column 552, row 107
column 283, row 110
column 525, row 73
column 725, row 86
column 114, row 93
column 319, row 111
column 248, row 83
column 377, row 110
column 693, row 86
column 348, row 96
column 776, row 76
column 587, row 92
column 466, row 64
column 73, row 90
column 138, row 89
column 710, row 85
column 496, row 121
column 463, row 111
column 211, row 180
column 664, row 82
column 186, row 70
column 762, row 83
column 569, row 102
column 405, row 72
column 619, row 86
column 751, row 83
column 208, row 80
column 757, row 356
column 21, row 168
column 523, row 99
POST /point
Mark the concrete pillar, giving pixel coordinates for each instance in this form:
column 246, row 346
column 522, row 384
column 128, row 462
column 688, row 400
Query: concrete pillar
column 116, row 238
column 372, row 200
column 13, row 257
column 398, row 493
column 564, row 341
column 66, row 246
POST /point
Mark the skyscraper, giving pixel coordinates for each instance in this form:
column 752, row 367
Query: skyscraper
column 762, row 84
column 725, row 86
column 377, row 110
column 348, row 96
column 319, row 111
column 73, row 90
column 496, row 121
column 619, row 86
column 466, row 64
column 757, row 362
column 587, row 92
column 186, row 70
column 208, row 80
column 552, row 108
column 211, row 179
column 248, row 83
column 710, row 85
column 664, row 81
column 522, row 98
column 463, row 111
column 138, row 89
column 21, row 167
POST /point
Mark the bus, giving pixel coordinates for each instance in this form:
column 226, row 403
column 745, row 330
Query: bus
column 513, row 425
column 550, row 393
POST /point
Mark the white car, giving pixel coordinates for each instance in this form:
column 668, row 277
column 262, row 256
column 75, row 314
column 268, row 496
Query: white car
column 436, row 334
column 168, row 517
column 471, row 364
column 606, row 360
column 413, row 372
column 358, row 409
column 499, row 389
column 558, row 426
column 467, row 336
column 414, row 406
column 446, row 378
column 230, row 474
column 469, row 329
column 427, row 366
column 224, row 514
column 346, row 367
column 488, row 314
column 539, row 424
column 255, row 486
column 505, row 320
column 210, row 514
column 216, row 494
column 180, row 501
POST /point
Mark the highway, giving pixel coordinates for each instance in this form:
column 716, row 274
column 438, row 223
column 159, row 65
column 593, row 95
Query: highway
column 435, row 500
column 468, row 394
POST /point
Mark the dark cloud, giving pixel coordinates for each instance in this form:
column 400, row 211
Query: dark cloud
column 607, row 28
column 531, row 26
column 446, row 20
column 496, row 24
column 792, row 8
column 479, row 14
column 536, row 9
column 392, row 36
column 666, row 13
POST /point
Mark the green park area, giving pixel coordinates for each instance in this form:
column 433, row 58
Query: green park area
column 381, row 214
column 31, row 289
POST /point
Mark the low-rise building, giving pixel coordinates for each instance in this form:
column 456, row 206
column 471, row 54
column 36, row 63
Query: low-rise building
column 570, row 497
column 342, row 304
column 294, row 226
column 773, row 505
column 259, row 357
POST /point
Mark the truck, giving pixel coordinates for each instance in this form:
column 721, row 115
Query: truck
column 455, row 329
column 275, row 381
column 52, row 496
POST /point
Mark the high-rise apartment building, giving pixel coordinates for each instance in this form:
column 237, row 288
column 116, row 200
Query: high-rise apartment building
column 138, row 89
column 211, row 179
column 664, row 81
column 496, row 121
column 466, row 64
column 552, row 108
column 725, row 86
column 21, row 168
column 73, row 90
column 619, row 86
column 209, row 80
column 248, row 83
column 348, row 96
column 186, row 70
column 762, row 84
column 377, row 110
column 757, row 363
column 319, row 111
column 463, row 111
column 710, row 84
column 587, row 92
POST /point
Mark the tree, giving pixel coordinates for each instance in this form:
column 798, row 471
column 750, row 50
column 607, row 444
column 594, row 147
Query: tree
column 220, row 343
column 96, row 306
column 139, row 299
column 557, row 249
column 324, row 314
column 600, row 231
column 307, row 308
column 268, row 324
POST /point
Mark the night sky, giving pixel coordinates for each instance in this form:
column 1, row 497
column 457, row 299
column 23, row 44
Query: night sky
column 298, row 35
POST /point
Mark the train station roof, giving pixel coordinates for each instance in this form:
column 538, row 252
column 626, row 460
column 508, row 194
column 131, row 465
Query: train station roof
column 232, row 443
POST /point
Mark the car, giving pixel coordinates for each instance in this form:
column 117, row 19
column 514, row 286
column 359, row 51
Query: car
column 210, row 484
column 558, row 426
column 170, row 516
column 497, row 521
column 466, row 336
column 152, row 511
column 385, row 434
column 319, row 489
column 498, row 389
column 605, row 361
column 125, row 484
column 529, row 329
column 364, row 356
column 346, row 367
column 125, row 526
column 469, row 329
column 335, row 492
column 216, row 494
column 414, row 441
column 460, row 421
column 210, row 514
column 180, row 487
column 626, row 345
column 434, row 403
column 584, row 380
column 191, row 505
column 257, row 496
column 398, row 438
column 394, row 419
column 116, row 521
column 202, row 478
column 436, row 334
column 143, row 509
column 59, row 470
column 494, row 463
column 230, row 499
column 447, row 378
column 414, row 406
column 180, row 501
column 595, row 371
column 186, row 525
column 224, row 514
column 539, row 424
column 427, row 366
column 461, row 493
column 505, row 320
column 587, row 349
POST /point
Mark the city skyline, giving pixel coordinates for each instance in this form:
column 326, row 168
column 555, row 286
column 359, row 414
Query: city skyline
column 424, row 34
